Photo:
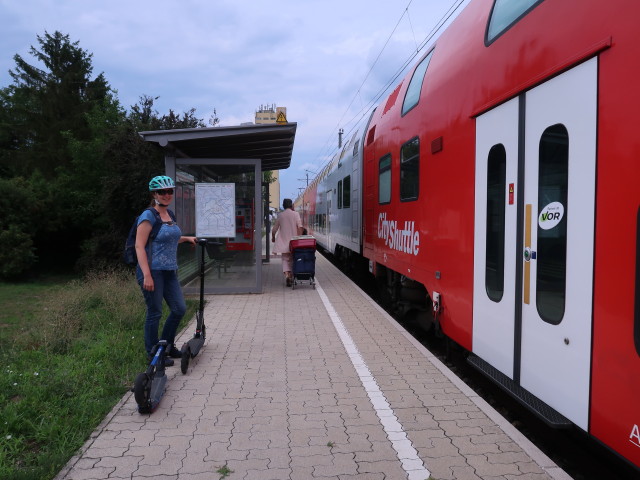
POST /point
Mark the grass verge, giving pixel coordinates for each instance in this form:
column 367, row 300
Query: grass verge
column 66, row 359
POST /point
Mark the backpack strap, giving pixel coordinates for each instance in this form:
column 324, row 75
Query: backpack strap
column 158, row 223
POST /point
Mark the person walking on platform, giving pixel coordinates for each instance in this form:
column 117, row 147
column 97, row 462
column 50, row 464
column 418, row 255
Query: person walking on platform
column 289, row 225
column 157, row 270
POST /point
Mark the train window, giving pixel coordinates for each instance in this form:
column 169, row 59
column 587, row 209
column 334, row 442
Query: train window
column 384, row 179
column 636, row 329
column 505, row 13
column 356, row 148
column 496, row 192
column 346, row 193
column 339, row 193
column 553, row 176
column 409, row 169
column 412, row 96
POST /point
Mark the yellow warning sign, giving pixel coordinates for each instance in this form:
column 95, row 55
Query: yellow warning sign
column 281, row 118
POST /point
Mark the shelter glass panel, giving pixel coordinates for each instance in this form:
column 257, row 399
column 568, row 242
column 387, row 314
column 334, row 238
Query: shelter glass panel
column 231, row 261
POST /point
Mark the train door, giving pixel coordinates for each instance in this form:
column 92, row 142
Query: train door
column 495, row 236
column 328, row 224
column 554, row 198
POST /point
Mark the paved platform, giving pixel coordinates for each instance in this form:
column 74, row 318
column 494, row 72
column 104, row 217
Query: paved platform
column 309, row 384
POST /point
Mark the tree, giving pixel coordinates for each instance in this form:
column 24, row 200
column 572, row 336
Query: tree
column 47, row 100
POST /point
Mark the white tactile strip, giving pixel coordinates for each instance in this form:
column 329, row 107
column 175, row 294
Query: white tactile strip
column 407, row 454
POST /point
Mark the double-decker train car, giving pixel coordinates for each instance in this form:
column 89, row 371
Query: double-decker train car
column 496, row 192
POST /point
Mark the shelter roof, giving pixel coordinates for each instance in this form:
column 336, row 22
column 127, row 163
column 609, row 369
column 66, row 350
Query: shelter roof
column 273, row 143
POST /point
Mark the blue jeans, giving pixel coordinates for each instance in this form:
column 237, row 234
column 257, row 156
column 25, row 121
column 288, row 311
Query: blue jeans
column 167, row 287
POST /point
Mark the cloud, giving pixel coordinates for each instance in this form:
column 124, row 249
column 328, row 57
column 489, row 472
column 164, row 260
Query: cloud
column 310, row 56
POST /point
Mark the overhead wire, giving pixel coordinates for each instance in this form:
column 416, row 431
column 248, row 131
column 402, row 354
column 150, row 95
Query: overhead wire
column 327, row 150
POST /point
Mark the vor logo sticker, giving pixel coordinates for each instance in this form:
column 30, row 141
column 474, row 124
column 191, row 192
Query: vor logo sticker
column 551, row 215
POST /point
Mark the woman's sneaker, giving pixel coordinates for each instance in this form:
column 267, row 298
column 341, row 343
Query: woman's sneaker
column 174, row 352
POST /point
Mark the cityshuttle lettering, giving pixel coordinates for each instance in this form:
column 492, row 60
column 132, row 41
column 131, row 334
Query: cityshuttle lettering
column 405, row 239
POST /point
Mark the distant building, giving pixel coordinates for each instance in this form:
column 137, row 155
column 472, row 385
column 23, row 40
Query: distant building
column 272, row 114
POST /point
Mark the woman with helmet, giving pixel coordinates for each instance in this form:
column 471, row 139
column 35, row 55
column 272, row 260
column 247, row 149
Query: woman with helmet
column 157, row 266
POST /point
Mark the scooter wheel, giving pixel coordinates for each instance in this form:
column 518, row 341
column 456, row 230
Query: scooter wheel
column 184, row 361
column 142, row 392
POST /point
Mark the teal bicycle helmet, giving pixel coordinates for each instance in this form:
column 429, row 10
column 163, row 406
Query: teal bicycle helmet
column 161, row 182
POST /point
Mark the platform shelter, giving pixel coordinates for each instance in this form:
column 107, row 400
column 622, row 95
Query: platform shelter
column 220, row 196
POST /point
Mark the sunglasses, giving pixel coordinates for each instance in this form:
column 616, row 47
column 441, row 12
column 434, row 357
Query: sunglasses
column 168, row 191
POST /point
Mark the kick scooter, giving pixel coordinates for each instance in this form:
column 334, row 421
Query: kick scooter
column 149, row 386
column 191, row 348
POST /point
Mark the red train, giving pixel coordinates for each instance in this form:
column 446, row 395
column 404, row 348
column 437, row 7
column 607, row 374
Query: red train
column 496, row 195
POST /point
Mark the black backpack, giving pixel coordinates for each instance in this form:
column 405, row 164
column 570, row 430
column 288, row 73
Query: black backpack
column 129, row 256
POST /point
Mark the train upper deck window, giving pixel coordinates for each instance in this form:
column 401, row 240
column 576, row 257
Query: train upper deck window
column 553, row 186
column 496, row 189
column 346, row 192
column 384, row 179
column 409, row 170
column 339, row 193
column 505, row 13
column 412, row 96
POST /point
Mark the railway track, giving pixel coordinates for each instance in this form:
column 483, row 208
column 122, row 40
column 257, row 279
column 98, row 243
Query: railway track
column 575, row 452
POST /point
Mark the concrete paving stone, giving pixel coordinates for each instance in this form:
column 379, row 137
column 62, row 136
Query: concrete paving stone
column 440, row 447
column 299, row 452
column 242, row 467
column 170, row 465
column 93, row 474
column 246, row 441
column 466, row 446
column 529, row 466
column 365, row 476
column 219, row 452
column 508, row 457
column 391, row 469
column 195, row 464
column 444, row 413
column 229, row 418
column 465, row 473
column 201, row 443
column 304, row 473
column 149, row 455
column 188, row 411
column 206, row 426
column 279, row 458
column 342, row 464
column 354, row 443
column 331, row 435
column 441, row 468
column 276, row 438
column 156, row 476
column 271, row 474
column 379, row 451
column 105, row 442
column 374, row 433
column 484, row 467
column 276, row 423
column 452, row 429
column 105, row 452
column 367, row 417
column 497, row 438
column 527, row 476
column 177, row 444
column 123, row 466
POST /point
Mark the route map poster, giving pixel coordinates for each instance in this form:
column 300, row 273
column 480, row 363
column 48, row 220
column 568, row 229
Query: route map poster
column 215, row 210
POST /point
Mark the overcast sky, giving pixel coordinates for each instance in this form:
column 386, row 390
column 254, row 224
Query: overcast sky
column 325, row 61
